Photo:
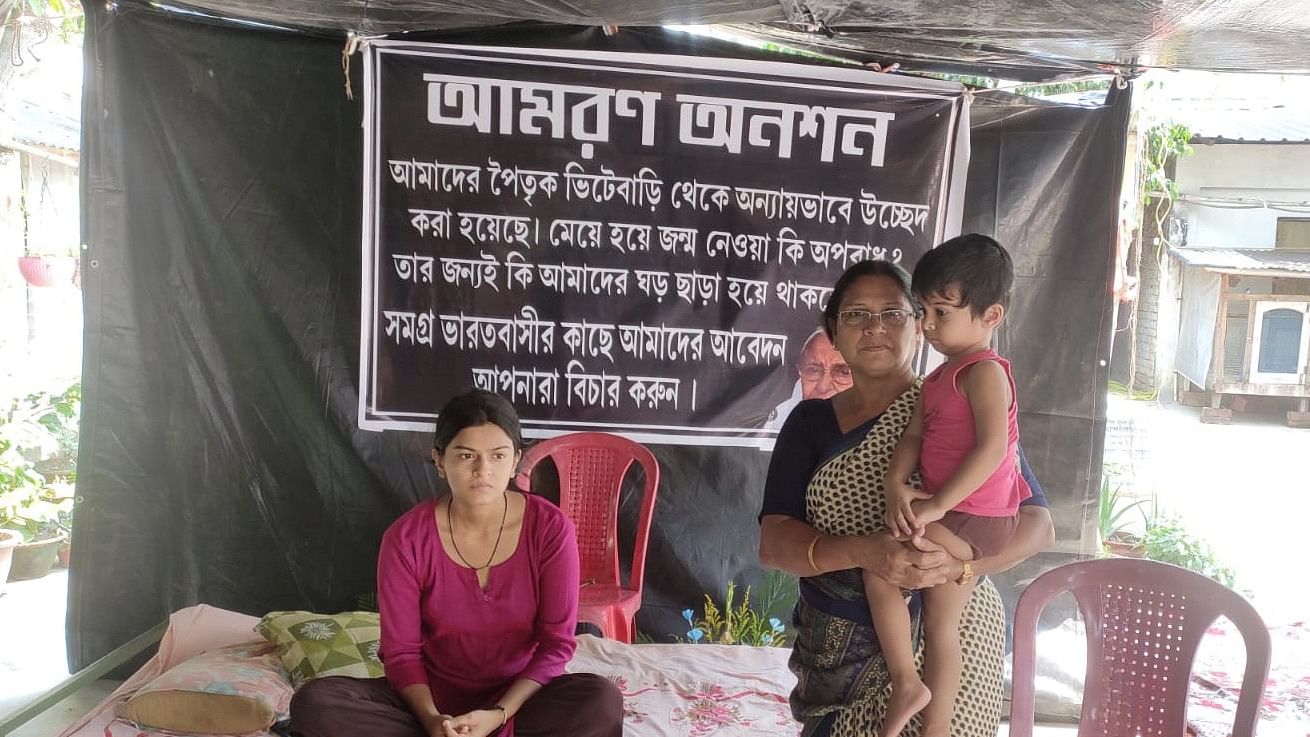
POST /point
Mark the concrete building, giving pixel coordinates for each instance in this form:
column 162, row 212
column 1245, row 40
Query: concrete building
column 1228, row 307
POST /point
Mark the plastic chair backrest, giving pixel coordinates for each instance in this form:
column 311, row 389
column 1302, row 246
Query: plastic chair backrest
column 591, row 468
column 1144, row 621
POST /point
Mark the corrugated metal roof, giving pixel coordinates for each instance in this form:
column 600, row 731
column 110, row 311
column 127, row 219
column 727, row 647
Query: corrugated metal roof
column 39, row 124
column 1248, row 259
column 1275, row 124
column 43, row 106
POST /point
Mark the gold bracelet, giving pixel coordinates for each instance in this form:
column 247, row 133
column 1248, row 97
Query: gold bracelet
column 504, row 714
column 966, row 575
column 810, row 553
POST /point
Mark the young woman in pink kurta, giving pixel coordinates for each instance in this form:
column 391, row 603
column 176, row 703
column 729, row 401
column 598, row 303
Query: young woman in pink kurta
column 478, row 594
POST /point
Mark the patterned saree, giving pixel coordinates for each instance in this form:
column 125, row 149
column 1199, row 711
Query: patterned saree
column 842, row 680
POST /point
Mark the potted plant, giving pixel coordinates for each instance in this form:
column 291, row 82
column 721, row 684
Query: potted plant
column 48, row 270
column 33, row 512
column 1112, row 522
column 1168, row 540
column 31, row 505
column 9, row 540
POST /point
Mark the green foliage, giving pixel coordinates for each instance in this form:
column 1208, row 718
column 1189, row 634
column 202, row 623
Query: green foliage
column 38, row 451
column 1121, row 390
column 785, row 50
column 1168, row 541
column 38, row 513
column 967, row 80
column 777, row 595
column 1165, row 142
column 734, row 624
column 1115, row 508
column 45, row 16
column 1063, row 88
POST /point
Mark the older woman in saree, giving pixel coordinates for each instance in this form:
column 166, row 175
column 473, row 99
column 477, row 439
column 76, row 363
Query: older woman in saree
column 822, row 520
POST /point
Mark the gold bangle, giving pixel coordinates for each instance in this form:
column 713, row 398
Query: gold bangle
column 810, row 553
column 504, row 714
column 966, row 574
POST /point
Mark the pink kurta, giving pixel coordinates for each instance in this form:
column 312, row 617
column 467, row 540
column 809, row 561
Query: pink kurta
column 439, row 627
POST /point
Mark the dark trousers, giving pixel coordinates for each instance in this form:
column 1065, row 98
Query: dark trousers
column 573, row 705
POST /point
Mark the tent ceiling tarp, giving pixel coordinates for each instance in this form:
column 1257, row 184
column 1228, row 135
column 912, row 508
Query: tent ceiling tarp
column 1029, row 40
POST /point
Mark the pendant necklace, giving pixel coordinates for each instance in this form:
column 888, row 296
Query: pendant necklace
column 454, row 543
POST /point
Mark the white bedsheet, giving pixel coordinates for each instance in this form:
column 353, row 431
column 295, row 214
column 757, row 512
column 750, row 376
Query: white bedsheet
column 668, row 690
column 694, row 690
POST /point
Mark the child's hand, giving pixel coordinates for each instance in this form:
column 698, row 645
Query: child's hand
column 901, row 518
column 926, row 511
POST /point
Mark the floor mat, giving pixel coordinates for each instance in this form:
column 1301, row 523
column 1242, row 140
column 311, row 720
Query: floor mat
column 1217, row 679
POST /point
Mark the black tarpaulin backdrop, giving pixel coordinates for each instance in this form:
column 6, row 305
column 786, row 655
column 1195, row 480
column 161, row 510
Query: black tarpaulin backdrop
column 220, row 458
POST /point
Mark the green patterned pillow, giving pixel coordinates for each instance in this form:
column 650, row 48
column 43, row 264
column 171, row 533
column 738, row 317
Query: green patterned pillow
column 318, row 645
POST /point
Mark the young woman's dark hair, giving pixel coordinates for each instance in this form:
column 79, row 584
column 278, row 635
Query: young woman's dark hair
column 472, row 408
column 859, row 271
column 974, row 265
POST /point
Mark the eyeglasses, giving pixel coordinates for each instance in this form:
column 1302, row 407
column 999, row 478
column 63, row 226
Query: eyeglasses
column 813, row 372
column 865, row 318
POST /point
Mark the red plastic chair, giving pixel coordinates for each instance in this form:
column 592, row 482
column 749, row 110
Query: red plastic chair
column 591, row 468
column 1144, row 622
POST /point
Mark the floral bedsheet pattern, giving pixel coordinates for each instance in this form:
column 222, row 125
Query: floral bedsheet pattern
column 1217, row 680
column 695, row 690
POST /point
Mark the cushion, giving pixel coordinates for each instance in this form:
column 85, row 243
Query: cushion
column 232, row 690
column 200, row 628
column 319, row 645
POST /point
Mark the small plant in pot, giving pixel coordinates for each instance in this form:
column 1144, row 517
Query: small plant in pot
column 34, row 513
column 1115, row 513
column 31, row 504
column 48, row 270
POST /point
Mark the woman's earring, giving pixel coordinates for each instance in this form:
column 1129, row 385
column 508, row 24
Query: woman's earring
column 441, row 472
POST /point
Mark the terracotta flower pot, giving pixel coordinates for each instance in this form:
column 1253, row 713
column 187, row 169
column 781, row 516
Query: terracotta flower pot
column 35, row 559
column 48, row 271
column 9, row 540
column 1125, row 547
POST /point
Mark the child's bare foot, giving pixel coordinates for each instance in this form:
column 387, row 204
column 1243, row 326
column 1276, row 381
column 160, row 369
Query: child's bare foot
column 907, row 699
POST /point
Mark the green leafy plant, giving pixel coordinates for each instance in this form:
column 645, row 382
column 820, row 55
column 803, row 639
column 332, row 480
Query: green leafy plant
column 1165, row 142
column 1115, row 510
column 41, row 17
column 1169, row 541
column 1121, row 390
column 37, row 512
column 777, row 594
column 37, row 501
column 734, row 624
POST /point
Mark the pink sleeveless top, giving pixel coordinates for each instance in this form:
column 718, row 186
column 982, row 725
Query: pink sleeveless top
column 948, row 437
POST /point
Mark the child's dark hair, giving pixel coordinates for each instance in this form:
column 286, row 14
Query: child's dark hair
column 472, row 408
column 976, row 266
column 858, row 271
